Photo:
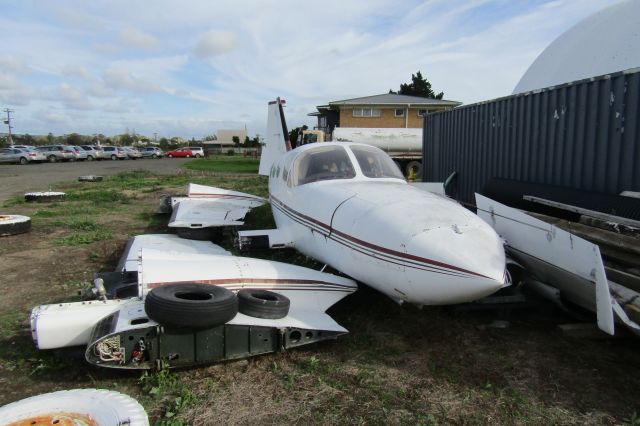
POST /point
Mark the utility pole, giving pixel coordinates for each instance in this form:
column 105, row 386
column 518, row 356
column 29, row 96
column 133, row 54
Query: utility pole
column 8, row 123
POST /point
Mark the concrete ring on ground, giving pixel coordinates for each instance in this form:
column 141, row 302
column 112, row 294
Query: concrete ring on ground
column 90, row 178
column 44, row 197
column 13, row 224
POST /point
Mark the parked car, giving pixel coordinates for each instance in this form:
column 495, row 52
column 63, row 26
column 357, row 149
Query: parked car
column 57, row 153
column 23, row 146
column 92, row 152
column 114, row 152
column 131, row 152
column 183, row 152
column 78, row 153
column 152, row 152
column 196, row 151
column 21, row 156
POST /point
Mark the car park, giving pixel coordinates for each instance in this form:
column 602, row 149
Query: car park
column 152, row 152
column 114, row 152
column 55, row 153
column 21, row 156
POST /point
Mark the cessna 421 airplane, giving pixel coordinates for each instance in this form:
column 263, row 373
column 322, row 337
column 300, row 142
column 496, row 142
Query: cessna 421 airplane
column 179, row 302
column 348, row 205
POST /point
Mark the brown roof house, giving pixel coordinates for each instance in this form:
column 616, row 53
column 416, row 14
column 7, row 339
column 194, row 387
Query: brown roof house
column 389, row 110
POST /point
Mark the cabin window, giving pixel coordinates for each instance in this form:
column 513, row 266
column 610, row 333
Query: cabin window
column 285, row 174
column 366, row 112
column 375, row 164
column 322, row 163
column 399, row 112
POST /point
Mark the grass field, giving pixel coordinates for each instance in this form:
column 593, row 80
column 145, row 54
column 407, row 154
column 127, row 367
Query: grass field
column 225, row 164
column 399, row 365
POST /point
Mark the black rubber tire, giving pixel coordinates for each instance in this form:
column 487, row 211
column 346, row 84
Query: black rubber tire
column 113, row 157
column 154, row 156
column 198, row 155
column 23, row 161
column 52, row 159
column 89, row 157
column 18, row 225
column 263, row 304
column 191, row 305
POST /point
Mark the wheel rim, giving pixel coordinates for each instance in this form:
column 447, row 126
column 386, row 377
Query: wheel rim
column 23, row 160
column 113, row 157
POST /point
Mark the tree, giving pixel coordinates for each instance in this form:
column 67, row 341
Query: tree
column 50, row 138
column 236, row 141
column 419, row 86
column 74, row 139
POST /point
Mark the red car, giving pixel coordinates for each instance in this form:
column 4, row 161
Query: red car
column 180, row 152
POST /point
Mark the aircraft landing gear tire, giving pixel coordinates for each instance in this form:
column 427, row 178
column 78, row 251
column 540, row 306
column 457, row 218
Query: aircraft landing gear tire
column 263, row 304
column 13, row 224
column 191, row 305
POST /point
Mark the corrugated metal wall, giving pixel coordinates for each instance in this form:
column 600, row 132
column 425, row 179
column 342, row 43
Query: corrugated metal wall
column 584, row 135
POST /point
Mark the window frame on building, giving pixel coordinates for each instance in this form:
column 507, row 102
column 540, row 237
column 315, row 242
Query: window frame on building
column 398, row 110
column 371, row 112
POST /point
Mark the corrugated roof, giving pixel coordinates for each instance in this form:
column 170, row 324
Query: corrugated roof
column 394, row 99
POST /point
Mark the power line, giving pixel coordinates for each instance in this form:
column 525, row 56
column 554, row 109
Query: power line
column 8, row 123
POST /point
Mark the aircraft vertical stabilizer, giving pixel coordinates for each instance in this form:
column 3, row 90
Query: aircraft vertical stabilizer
column 277, row 140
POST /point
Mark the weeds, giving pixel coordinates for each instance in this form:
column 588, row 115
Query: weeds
column 81, row 238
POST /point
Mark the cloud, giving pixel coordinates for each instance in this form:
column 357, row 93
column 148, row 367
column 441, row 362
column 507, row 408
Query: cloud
column 77, row 71
column 73, row 98
column 137, row 38
column 104, row 48
column 121, row 79
column 214, row 43
column 12, row 64
column 8, row 82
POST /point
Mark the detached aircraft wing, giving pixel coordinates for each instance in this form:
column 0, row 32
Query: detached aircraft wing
column 207, row 207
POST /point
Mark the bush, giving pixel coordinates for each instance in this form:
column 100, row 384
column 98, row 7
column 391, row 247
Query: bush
column 231, row 152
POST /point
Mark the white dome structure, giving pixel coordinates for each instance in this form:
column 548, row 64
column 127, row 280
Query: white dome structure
column 605, row 42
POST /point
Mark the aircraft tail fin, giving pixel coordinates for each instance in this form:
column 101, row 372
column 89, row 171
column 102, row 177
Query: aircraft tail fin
column 277, row 140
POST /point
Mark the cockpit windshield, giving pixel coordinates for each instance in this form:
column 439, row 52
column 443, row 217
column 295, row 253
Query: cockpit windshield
column 326, row 163
column 375, row 164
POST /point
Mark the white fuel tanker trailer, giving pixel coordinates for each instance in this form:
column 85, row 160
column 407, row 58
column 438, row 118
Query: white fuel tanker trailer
column 404, row 145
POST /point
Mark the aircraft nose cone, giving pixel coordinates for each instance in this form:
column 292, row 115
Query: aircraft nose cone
column 460, row 263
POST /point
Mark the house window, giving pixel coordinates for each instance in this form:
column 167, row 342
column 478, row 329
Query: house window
column 366, row 112
column 422, row 112
column 399, row 112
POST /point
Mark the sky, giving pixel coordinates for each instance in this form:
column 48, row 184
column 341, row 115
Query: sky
column 189, row 68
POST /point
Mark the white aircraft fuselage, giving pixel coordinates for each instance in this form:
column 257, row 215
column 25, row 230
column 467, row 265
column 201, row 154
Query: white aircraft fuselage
column 347, row 205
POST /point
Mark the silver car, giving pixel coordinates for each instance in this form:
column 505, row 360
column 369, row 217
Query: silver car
column 55, row 153
column 21, row 156
column 78, row 153
column 196, row 151
column 132, row 153
column 114, row 152
column 152, row 152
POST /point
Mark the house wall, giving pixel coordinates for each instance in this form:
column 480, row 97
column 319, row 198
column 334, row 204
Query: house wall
column 387, row 118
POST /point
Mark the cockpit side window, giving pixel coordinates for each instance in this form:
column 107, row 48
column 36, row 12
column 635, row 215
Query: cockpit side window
column 325, row 163
column 375, row 163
